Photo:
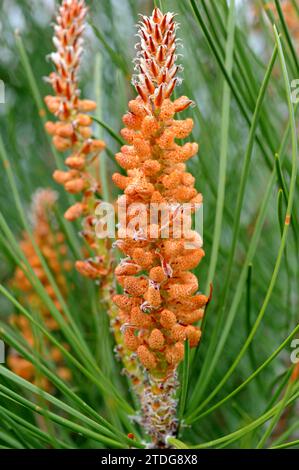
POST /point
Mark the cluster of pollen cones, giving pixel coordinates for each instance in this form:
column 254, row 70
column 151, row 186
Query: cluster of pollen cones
column 160, row 304
column 51, row 244
column 72, row 130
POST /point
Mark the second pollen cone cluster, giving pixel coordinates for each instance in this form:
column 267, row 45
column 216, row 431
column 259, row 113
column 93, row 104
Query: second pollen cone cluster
column 51, row 244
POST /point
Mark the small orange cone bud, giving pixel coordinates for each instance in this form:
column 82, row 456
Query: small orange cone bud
column 76, row 163
column 74, row 212
column 146, row 357
column 50, row 127
column 64, row 373
column 86, row 105
column 182, row 103
column 75, row 186
column 85, row 132
column 61, row 144
column 157, row 274
column 167, row 319
column 97, row 145
column 83, row 120
column 131, row 340
column 61, row 177
column 64, row 130
column 156, row 339
column 52, row 103
column 193, row 334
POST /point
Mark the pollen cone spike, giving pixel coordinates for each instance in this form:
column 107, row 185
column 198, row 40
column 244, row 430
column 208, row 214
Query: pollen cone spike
column 160, row 300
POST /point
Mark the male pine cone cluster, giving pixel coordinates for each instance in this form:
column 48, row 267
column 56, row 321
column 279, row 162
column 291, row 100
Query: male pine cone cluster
column 52, row 245
column 160, row 302
column 72, row 131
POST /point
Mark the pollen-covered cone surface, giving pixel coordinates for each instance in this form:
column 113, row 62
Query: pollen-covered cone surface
column 51, row 245
column 160, row 302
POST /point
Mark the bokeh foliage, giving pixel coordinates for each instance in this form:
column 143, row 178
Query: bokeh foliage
column 238, row 73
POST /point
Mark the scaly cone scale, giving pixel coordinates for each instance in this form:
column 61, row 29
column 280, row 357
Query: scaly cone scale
column 160, row 302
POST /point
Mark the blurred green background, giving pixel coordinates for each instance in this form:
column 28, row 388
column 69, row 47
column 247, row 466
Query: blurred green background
column 110, row 58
